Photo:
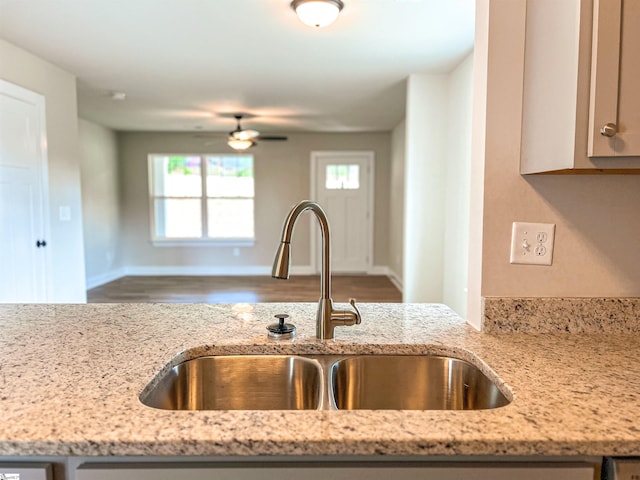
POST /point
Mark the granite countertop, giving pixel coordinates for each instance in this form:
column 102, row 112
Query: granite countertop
column 70, row 377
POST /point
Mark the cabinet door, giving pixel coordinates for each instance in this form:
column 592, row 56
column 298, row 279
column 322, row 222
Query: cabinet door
column 338, row 471
column 25, row 471
column 615, row 69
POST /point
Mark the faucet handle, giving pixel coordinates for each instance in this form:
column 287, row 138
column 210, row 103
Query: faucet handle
column 352, row 301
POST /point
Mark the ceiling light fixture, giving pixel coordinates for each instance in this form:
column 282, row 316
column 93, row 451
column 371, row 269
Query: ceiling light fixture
column 239, row 144
column 317, row 13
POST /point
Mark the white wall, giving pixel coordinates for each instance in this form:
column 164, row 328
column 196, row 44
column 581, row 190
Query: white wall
column 282, row 171
column 100, row 203
column 476, row 187
column 458, row 186
column 59, row 89
column 437, row 185
column 424, row 179
column 396, row 201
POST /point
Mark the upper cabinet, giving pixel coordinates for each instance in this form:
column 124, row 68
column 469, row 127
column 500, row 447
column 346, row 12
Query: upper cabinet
column 581, row 103
column 614, row 115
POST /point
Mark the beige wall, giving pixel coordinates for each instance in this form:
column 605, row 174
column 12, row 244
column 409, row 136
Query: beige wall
column 597, row 247
column 59, row 89
column 100, row 202
column 282, row 179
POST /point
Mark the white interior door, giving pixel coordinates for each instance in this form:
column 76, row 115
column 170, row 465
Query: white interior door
column 23, row 257
column 342, row 182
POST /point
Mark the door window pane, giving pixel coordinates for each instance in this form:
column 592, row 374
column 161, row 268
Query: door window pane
column 342, row 177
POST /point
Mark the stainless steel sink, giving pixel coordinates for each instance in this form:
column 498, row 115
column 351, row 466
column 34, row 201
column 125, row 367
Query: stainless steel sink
column 412, row 383
column 247, row 382
column 328, row 382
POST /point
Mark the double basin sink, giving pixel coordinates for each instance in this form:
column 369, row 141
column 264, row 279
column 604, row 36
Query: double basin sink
column 323, row 382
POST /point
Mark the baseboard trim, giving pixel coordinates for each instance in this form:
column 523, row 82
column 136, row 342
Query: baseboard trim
column 211, row 270
column 180, row 270
column 378, row 270
column 110, row 276
column 395, row 279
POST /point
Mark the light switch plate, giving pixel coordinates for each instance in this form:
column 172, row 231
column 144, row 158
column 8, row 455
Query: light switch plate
column 532, row 243
column 65, row 213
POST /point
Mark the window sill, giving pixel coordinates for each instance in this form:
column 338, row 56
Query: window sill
column 193, row 242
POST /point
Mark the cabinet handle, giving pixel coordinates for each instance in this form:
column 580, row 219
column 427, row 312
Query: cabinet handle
column 41, row 243
column 609, row 130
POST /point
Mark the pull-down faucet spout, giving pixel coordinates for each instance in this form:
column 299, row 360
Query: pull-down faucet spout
column 327, row 318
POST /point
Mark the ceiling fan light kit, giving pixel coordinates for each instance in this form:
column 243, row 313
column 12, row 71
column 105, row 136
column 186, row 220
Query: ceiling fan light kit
column 243, row 134
column 242, row 139
column 238, row 144
column 317, row 13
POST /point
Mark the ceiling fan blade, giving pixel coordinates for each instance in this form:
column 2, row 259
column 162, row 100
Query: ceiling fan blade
column 245, row 135
column 272, row 138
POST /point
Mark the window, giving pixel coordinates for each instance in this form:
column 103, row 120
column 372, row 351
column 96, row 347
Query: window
column 343, row 177
column 202, row 198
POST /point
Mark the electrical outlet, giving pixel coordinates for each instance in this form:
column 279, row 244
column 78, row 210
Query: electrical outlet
column 532, row 243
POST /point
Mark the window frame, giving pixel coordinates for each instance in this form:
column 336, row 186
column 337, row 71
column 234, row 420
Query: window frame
column 204, row 240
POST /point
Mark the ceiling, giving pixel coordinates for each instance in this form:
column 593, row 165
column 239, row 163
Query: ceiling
column 190, row 64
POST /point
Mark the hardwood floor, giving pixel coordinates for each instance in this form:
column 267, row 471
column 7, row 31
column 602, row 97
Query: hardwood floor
column 242, row 289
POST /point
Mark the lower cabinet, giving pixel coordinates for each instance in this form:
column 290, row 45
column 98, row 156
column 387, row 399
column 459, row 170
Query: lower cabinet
column 67, row 468
column 339, row 471
column 26, row 471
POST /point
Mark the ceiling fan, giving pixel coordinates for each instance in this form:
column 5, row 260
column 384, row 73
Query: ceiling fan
column 241, row 139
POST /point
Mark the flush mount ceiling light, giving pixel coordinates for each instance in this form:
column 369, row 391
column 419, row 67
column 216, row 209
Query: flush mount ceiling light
column 317, row 13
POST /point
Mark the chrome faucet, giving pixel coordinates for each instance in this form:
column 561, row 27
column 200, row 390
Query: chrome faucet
column 327, row 318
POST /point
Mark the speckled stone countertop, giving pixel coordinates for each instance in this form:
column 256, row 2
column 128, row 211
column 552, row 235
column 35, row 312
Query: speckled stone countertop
column 70, row 377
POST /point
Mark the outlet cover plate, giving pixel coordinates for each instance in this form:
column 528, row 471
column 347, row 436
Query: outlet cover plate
column 532, row 243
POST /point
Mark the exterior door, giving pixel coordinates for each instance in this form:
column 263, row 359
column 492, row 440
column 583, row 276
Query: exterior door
column 342, row 182
column 23, row 238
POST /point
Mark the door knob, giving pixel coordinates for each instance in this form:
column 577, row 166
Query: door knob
column 609, row 130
